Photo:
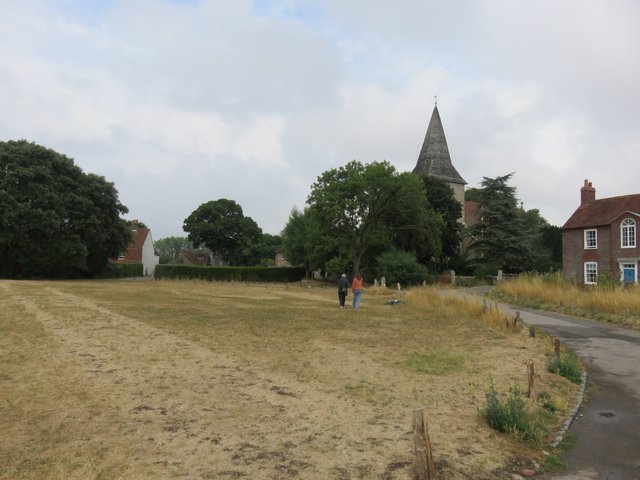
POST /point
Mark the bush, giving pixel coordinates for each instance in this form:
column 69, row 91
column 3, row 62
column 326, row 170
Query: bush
column 485, row 270
column 401, row 267
column 511, row 416
column 567, row 366
column 336, row 267
column 230, row 274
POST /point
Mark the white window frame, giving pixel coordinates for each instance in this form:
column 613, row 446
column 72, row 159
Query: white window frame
column 587, row 238
column 628, row 233
column 590, row 273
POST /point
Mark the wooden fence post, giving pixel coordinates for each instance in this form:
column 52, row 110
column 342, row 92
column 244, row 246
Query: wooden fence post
column 532, row 331
column 516, row 319
column 556, row 345
column 531, row 372
column 425, row 467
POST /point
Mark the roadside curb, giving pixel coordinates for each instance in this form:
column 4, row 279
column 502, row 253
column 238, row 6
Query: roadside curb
column 574, row 413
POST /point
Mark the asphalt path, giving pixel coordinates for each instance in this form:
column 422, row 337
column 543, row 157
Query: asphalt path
column 607, row 424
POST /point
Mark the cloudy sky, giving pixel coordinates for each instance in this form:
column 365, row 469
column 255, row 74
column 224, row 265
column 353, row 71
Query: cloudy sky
column 179, row 102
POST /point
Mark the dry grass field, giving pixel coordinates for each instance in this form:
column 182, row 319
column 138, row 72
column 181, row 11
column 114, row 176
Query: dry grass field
column 605, row 302
column 196, row 380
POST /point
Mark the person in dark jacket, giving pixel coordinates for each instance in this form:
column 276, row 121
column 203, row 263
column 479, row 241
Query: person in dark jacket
column 343, row 287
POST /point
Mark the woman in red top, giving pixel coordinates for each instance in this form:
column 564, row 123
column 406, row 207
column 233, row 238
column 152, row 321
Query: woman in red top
column 356, row 287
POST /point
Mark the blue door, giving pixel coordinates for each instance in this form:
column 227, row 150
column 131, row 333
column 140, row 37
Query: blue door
column 629, row 275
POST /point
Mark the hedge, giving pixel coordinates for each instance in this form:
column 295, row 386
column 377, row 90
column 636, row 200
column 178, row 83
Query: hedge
column 230, row 274
column 122, row 270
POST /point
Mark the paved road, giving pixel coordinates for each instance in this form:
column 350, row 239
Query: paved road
column 607, row 427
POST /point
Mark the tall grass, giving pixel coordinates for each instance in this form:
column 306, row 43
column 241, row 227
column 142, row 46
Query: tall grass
column 486, row 313
column 606, row 301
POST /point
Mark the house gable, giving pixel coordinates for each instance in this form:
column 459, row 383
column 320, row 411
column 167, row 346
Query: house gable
column 141, row 250
column 134, row 250
column 600, row 220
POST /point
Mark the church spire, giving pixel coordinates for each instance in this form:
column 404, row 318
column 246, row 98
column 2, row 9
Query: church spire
column 434, row 159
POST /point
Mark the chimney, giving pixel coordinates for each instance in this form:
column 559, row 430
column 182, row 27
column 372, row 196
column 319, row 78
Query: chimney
column 587, row 193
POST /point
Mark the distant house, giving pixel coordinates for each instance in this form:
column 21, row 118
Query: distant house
column 140, row 249
column 193, row 257
column 601, row 237
column 472, row 213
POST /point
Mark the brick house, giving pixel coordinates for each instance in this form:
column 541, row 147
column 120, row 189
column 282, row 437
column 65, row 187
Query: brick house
column 601, row 237
column 140, row 249
column 193, row 257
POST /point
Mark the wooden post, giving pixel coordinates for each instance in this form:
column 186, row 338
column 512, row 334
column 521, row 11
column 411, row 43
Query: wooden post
column 532, row 331
column 531, row 372
column 556, row 345
column 516, row 319
column 425, row 467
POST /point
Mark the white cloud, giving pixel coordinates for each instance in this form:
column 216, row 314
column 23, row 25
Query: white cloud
column 181, row 102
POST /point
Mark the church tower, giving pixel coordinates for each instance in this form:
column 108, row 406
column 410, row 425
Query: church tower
column 434, row 159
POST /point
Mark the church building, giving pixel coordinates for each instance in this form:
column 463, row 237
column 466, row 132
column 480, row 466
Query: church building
column 434, row 161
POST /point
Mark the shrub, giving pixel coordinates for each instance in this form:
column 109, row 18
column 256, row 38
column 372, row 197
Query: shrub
column 567, row 366
column 511, row 416
column 400, row 267
column 336, row 267
column 485, row 270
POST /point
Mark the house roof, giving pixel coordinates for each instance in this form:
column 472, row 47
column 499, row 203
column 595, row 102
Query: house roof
column 134, row 250
column 193, row 257
column 434, row 159
column 603, row 211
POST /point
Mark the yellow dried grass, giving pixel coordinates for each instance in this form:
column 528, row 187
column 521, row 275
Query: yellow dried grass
column 553, row 292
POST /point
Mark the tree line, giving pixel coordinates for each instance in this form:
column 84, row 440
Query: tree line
column 57, row 221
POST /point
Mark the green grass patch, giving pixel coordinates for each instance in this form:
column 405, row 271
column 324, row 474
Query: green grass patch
column 567, row 366
column 435, row 362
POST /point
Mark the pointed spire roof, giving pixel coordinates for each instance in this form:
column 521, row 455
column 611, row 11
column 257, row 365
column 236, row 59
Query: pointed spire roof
column 434, row 159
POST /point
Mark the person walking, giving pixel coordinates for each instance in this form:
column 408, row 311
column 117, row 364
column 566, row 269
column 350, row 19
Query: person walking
column 356, row 287
column 343, row 287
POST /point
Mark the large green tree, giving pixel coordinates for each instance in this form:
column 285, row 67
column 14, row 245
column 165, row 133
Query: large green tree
column 306, row 243
column 502, row 237
column 545, row 241
column 443, row 201
column 221, row 226
column 263, row 251
column 362, row 210
column 552, row 241
column 55, row 220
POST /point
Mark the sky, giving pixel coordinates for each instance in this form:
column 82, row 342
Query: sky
column 179, row 102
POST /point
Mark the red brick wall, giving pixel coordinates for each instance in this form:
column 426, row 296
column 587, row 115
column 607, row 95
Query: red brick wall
column 616, row 250
column 574, row 255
